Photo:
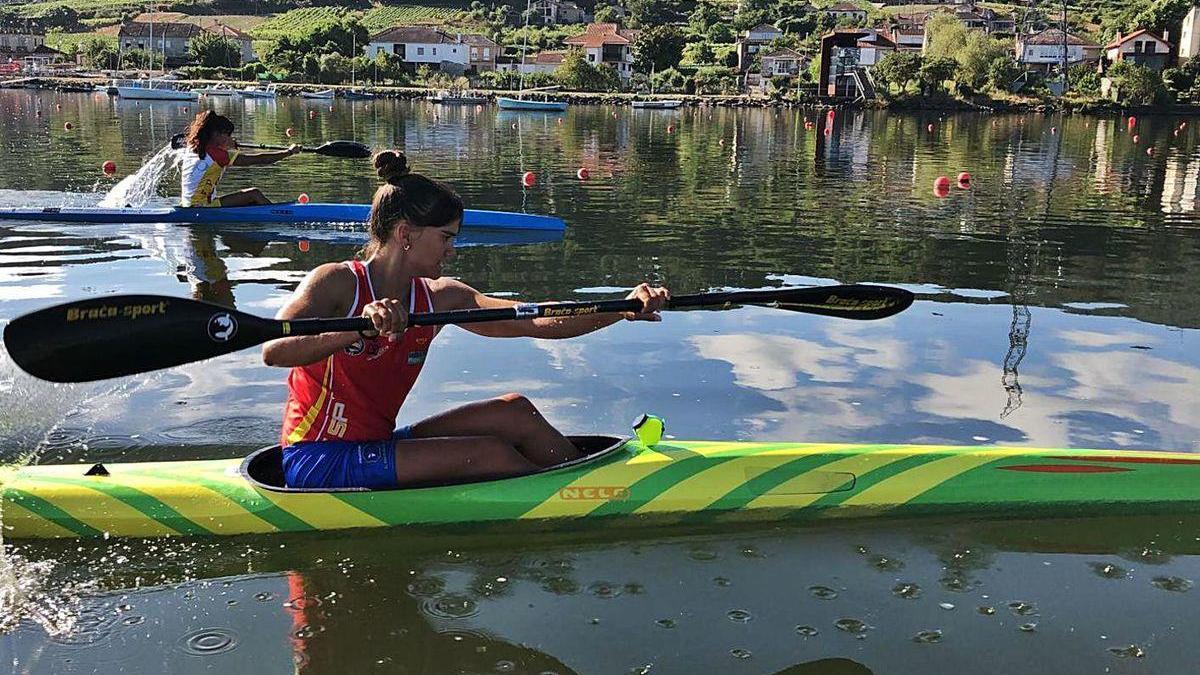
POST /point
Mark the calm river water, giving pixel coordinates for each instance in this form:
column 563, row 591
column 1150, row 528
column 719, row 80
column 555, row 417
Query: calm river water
column 1057, row 306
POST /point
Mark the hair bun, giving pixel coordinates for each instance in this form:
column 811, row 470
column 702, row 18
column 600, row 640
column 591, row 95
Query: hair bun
column 391, row 165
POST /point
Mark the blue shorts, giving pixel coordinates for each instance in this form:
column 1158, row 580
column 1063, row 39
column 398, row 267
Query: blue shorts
column 317, row 465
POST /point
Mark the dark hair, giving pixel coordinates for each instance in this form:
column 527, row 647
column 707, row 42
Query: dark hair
column 407, row 196
column 206, row 125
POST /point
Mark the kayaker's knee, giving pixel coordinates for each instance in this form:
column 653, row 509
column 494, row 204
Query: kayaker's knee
column 518, row 403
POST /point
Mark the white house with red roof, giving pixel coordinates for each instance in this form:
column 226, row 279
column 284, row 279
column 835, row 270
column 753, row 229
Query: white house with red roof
column 1043, row 50
column 1141, row 47
column 608, row 44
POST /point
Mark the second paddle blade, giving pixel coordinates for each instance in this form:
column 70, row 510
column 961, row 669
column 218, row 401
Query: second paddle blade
column 120, row 335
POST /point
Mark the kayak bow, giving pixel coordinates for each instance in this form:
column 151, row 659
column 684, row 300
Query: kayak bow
column 621, row 482
column 270, row 213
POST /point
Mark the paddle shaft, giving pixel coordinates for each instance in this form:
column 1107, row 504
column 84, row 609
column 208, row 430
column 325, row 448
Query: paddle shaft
column 111, row 336
column 573, row 309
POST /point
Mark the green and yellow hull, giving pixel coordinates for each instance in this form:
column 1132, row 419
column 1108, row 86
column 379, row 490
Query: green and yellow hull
column 632, row 483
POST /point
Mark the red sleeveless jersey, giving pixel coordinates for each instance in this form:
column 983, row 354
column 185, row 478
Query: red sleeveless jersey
column 355, row 393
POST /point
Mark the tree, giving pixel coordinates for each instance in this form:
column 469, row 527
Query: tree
column 643, row 13
column 607, row 14
column 702, row 18
column 211, row 50
column 657, row 48
column 935, row 71
column 335, row 68
column 899, row 68
column 577, row 74
column 99, row 54
column 62, row 17
column 1085, row 80
column 1136, row 85
column 669, row 81
column 1003, row 71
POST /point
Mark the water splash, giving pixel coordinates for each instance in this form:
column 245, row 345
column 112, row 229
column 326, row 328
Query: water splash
column 25, row 597
column 139, row 187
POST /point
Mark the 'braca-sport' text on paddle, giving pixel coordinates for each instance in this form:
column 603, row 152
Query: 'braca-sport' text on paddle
column 105, row 337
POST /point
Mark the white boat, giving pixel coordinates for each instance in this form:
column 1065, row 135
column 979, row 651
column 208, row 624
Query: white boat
column 527, row 104
column 152, row 90
column 457, row 98
column 658, row 104
column 358, row 95
column 216, row 91
column 323, row 95
column 267, row 92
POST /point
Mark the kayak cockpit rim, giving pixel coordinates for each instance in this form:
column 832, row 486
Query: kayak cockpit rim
column 263, row 469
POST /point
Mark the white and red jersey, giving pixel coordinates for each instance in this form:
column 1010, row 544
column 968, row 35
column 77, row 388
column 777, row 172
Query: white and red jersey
column 355, row 393
column 198, row 177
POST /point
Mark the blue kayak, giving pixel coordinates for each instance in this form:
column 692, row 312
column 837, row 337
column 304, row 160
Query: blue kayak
column 272, row 213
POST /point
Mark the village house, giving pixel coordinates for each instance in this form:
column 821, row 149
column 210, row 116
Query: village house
column 779, row 63
column 605, row 43
column 555, row 12
column 481, row 53
column 26, row 52
column 542, row 62
column 846, row 10
column 1043, row 50
column 846, row 54
column 754, row 40
column 426, row 45
column 172, row 38
column 1189, row 38
column 1140, row 47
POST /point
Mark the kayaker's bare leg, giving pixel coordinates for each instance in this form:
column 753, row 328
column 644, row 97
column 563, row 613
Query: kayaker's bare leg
column 247, row 197
column 513, row 419
column 433, row 461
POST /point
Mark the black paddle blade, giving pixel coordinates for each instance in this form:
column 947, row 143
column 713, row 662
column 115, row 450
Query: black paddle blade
column 347, row 149
column 125, row 334
column 857, row 301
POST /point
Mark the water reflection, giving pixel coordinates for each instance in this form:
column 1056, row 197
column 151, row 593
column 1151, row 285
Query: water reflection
column 1028, row 594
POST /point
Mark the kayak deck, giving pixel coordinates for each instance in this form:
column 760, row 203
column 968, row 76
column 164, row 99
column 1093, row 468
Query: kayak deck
column 629, row 484
column 268, row 214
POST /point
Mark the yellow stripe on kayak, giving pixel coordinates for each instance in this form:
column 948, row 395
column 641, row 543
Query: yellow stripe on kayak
column 14, row 517
column 205, row 507
column 796, row 492
column 908, row 485
column 574, row 499
column 323, row 511
column 95, row 508
column 698, row 491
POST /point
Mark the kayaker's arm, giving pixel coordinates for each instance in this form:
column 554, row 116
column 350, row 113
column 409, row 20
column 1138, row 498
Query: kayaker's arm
column 462, row 296
column 315, row 298
column 262, row 158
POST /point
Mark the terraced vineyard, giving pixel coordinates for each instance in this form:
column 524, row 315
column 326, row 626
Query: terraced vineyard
column 294, row 22
column 387, row 16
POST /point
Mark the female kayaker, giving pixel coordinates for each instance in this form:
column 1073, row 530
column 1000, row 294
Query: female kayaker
column 345, row 389
column 210, row 150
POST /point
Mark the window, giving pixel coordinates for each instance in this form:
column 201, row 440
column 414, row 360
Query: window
column 420, row 51
column 435, row 51
column 474, row 54
column 591, row 58
column 487, row 52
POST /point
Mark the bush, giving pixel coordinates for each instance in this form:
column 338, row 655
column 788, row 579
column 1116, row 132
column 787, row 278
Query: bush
column 669, row 81
column 211, row 50
column 1084, row 79
column 715, row 80
column 1136, row 85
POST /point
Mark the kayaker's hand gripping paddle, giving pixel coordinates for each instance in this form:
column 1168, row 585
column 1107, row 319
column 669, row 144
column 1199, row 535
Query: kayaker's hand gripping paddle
column 117, row 335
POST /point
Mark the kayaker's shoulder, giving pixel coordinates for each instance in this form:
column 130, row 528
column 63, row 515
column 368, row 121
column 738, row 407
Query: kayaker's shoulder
column 337, row 278
column 450, row 293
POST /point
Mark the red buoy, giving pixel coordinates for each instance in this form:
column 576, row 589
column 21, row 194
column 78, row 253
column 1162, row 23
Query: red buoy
column 1053, row 130
column 1150, row 150
column 289, row 132
column 303, row 198
column 721, row 142
column 312, row 114
column 1136, row 138
column 1131, row 121
column 68, row 126
column 528, row 179
column 582, row 173
column 964, row 180
column 303, row 245
column 929, row 127
column 670, row 128
column 109, row 167
column 942, row 181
